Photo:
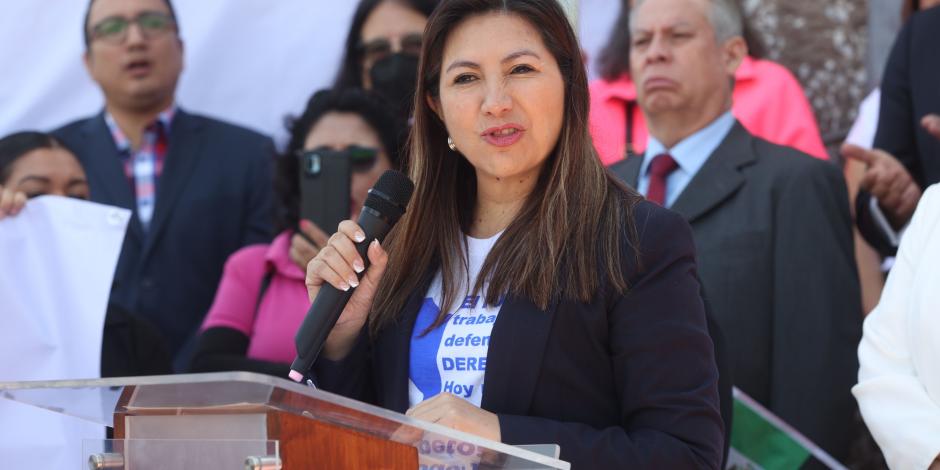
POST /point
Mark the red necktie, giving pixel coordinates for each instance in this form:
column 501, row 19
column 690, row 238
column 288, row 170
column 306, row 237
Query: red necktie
column 660, row 168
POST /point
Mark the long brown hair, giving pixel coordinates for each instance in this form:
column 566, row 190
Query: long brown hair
column 566, row 238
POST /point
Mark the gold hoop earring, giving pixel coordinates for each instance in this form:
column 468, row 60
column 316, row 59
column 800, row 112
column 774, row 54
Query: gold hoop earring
column 451, row 144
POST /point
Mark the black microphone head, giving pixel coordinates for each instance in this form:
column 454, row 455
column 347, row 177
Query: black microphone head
column 391, row 194
column 396, row 186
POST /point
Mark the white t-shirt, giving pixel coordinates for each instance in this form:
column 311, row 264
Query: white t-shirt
column 863, row 129
column 452, row 357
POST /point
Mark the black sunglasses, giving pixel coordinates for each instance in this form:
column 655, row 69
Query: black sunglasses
column 362, row 159
column 381, row 47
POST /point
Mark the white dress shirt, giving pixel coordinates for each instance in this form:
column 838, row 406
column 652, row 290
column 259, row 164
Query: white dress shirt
column 898, row 387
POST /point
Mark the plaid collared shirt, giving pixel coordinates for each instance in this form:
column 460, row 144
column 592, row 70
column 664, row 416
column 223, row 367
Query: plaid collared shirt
column 144, row 167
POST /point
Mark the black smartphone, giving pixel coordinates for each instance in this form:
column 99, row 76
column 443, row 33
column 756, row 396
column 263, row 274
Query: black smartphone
column 325, row 177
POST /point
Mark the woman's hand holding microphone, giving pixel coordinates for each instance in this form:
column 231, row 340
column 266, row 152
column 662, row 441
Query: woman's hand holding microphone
column 337, row 264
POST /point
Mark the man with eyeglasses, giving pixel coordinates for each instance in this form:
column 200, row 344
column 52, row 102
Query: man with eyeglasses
column 199, row 188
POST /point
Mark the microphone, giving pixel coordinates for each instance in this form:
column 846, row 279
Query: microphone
column 384, row 205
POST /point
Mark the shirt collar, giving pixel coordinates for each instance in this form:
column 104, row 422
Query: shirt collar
column 123, row 144
column 692, row 152
column 278, row 257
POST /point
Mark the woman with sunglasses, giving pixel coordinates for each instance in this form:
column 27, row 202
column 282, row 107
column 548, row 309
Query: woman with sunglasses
column 382, row 50
column 261, row 299
column 381, row 56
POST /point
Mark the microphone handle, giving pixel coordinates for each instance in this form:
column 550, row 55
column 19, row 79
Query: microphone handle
column 330, row 301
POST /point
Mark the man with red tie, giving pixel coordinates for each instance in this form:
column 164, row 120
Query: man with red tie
column 772, row 225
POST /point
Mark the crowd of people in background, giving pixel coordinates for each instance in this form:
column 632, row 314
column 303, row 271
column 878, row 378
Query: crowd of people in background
column 791, row 249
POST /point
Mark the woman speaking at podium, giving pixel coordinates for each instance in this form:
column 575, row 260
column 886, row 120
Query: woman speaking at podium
column 525, row 296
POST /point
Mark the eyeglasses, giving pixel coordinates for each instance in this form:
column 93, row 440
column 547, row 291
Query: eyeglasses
column 361, row 159
column 113, row 30
column 381, row 47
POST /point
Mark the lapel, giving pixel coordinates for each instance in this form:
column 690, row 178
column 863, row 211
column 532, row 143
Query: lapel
column 109, row 183
column 628, row 170
column 183, row 153
column 719, row 177
column 517, row 344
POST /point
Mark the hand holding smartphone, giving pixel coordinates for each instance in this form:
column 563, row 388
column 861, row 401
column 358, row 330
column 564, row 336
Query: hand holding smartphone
column 325, row 178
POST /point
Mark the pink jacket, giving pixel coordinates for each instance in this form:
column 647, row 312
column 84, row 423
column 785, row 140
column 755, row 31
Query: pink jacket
column 768, row 101
column 271, row 331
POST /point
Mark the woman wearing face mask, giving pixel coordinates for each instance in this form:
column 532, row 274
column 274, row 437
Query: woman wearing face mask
column 381, row 56
column 382, row 50
column 36, row 164
column 525, row 296
column 261, row 299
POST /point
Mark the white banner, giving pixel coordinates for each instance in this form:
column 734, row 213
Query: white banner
column 58, row 258
column 250, row 62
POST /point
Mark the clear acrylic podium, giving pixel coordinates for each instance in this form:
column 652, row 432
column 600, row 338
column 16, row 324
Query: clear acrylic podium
column 236, row 420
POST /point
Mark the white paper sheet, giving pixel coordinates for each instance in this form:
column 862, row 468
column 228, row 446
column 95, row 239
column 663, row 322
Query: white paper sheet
column 57, row 261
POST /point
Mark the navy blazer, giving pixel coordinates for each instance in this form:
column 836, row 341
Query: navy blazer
column 908, row 93
column 214, row 197
column 625, row 381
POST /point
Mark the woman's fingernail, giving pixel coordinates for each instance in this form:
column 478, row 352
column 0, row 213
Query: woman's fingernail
column 344, row 287
column 357, row 265
column 353, row 281
column 360, row 237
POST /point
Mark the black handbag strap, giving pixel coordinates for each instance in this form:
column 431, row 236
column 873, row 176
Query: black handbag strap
column 265, row 283
column 629, row 149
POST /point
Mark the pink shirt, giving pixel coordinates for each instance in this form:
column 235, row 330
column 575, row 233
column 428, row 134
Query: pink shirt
column 271, row 331
column 768, row 101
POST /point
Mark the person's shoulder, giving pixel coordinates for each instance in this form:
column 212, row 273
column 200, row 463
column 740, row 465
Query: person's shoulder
column 929, row 19
column 237, row 147
column 931, row 196
column 599, row 86
column 231, row 131
column 602, row 89
column 918, row 38
column 72, row 128
column 248, row 257
column 247, row 266
column 929, row 204
column 787, row 161
column 658, row 229
column 651, row 219
column 769, row 69
column 783, row 169
column 772, row 81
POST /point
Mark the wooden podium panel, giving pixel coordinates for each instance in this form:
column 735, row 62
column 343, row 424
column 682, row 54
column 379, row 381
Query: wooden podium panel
column 317, row 445
column 305, row 443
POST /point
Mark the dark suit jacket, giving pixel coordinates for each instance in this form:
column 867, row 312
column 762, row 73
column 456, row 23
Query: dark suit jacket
column 214, row 197
column 908, row 93
column 625, row 381
column 132, row 346
column 774, row 242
